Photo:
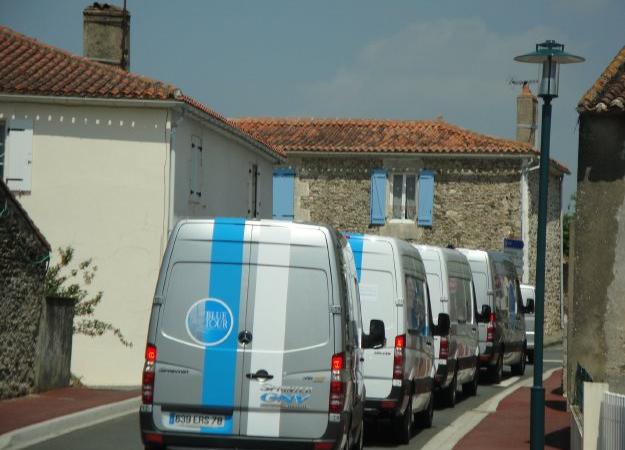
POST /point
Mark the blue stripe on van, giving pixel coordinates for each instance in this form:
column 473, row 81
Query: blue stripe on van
column 220, row 361
column 357, row 242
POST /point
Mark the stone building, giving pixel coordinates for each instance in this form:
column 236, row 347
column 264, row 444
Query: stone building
column 596, row 311
column 424, row 181
column 24, row 254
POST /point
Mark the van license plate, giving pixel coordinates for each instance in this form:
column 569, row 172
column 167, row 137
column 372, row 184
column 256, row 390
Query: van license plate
column 195, row 421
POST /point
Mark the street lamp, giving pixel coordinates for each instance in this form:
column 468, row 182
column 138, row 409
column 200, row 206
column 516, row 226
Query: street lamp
column 550, row 54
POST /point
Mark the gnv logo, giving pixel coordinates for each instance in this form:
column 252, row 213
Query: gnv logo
column 209, row 321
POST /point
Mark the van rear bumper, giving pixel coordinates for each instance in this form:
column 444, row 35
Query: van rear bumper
column 391, row 406
column 177, row 440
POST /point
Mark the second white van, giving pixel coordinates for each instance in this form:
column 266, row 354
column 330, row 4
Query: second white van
column 455, row 329
column 393, row 292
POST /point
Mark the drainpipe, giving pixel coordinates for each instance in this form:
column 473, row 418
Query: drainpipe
column 172, row 171
column 525, row 235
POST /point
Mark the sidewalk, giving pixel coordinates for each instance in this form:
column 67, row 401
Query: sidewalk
column 509, row 426
column 26, row 420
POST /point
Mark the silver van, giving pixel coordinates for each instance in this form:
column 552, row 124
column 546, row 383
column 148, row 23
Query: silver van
column 452, row 298
column 500, row 312
column 399, row 373
column 528, row 293
column 254, row 339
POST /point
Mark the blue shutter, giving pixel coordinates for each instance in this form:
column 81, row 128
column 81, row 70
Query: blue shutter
column 378, row 196
column 426, row 198
column 283, row 185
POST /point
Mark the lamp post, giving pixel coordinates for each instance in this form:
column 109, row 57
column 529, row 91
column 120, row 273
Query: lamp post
column 550, row 54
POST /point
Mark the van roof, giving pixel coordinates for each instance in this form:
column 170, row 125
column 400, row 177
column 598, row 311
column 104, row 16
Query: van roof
column 474, row 254
column 455, row 261
column 396, row 247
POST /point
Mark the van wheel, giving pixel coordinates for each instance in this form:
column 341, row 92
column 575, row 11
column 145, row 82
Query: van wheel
column 470, row 389
column 424, row 419
column 530, row 356
column 449, row 394
column 519, row 369
column 402, row 425
column 496, row 371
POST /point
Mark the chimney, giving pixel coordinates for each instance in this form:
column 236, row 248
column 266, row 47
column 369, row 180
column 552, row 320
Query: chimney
column 106, row 34
column 526, row 114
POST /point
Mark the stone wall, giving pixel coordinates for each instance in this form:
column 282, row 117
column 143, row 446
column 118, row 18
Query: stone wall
column 596, row 336
column 553, row 263
column 23, row 257
column 477, row 203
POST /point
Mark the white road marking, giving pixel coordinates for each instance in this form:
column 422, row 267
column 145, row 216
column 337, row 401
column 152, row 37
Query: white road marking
column 508, row 382
column 449, row 436
column 553, row 361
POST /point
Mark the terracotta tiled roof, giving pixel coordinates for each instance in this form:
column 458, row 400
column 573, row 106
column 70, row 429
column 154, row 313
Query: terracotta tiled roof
column 30, row 67
column 376, row 136
column 608, row 92
column 379, row 136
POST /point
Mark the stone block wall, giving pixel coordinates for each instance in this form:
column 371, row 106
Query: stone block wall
column 477, row 203
column 22, row 271
column 553, row 263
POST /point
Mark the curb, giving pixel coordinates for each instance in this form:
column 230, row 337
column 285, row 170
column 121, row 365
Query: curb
column 42, row 431
column 447, row 438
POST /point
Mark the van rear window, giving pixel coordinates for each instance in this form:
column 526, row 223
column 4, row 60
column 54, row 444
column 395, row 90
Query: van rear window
column 377, row 296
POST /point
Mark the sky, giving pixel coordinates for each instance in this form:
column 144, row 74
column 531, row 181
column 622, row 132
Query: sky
column 397, row 59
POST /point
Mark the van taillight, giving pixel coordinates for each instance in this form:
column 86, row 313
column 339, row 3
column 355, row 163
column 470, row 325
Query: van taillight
column 337, row 385
column 444, row 348
column 490, row 328
column 147, row 384
column 398, row 360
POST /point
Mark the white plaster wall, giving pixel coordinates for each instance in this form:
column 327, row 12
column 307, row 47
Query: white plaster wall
column 226, row 178
column 100, row 184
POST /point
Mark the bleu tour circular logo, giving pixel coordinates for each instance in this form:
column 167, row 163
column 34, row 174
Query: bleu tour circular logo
column 209, row 321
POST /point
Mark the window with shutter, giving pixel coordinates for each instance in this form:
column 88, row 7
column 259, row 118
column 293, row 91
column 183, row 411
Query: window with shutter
column 18, row 155
column 283, row 191
column 404, row 196
column 426, row 198
column 378, row 197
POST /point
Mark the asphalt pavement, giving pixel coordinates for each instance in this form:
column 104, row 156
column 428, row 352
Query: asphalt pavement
column 123, row 433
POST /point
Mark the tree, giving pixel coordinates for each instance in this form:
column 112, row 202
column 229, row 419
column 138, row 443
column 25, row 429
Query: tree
column 63, row 279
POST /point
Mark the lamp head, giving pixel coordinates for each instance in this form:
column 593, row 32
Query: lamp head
column 550, row 54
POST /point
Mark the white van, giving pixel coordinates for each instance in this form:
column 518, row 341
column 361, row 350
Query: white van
column 452, row 298
column 393, row 292
column 500, row 312
column 528, row 293
column 254, row 339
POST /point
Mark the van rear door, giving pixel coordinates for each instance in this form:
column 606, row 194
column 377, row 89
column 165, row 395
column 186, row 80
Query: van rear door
column 286, row 383
column 199, row 360
column 375, row 266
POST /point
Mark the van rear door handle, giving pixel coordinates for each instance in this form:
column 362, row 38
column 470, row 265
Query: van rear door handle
column 261, row 374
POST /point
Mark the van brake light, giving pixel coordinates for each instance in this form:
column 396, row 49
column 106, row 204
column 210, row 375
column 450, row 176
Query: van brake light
column 398, row 359
column 147, row 382
column 337, row 385
column 490, row 328
column 444, row 348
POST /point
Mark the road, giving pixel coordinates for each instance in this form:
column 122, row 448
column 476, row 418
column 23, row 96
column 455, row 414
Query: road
column 123, row 433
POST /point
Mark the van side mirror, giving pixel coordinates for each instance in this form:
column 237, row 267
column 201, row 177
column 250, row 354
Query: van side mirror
column 486, row 312
column 444, row 324
column 377, row 335
column 530, row 306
